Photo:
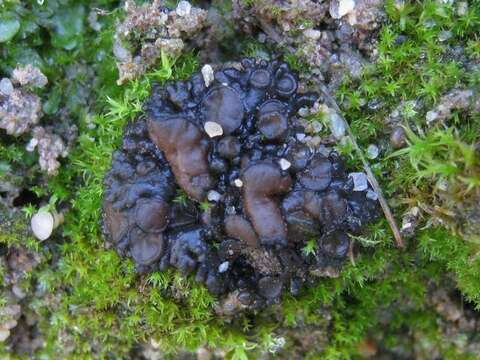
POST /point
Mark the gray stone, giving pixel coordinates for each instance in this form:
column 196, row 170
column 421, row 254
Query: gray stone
column 183, row 8
column 6, row 86
column 207, row 73
column 223, row 267
column 340, row 8
column 360, row 181
column 337, row 125
column 372, row 151
column 213, row 195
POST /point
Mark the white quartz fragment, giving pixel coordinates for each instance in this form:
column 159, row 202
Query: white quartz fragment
column 312, row 34
column 32, row 144
column 300, row 136
column 223, row 267
column 360, row 181
column 238, row 183
column 284, row 164
column 183, row 8
column 207, row 73
column 372, row 151
column 337, row 125
column 213, row 195
column 6, row 86
column 372, row 195
column 213, row 129
column 340, row 8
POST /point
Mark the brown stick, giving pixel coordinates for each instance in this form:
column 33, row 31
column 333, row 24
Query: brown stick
column 373, row 181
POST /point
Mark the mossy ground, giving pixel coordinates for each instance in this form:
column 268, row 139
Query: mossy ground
column 101, row 308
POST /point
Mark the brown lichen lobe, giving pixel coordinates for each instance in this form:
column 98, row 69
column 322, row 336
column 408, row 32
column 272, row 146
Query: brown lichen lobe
column 262, row 182
column 186, row 149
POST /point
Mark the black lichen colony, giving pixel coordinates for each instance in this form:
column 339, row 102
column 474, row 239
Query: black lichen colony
column 268, row 194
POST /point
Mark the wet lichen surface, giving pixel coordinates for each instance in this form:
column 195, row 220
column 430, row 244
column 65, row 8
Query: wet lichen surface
column 216, row 181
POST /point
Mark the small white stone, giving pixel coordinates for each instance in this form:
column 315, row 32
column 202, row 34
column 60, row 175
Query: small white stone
column 462, row 8
column 317, row 126
column 340, row 8
column 284, row 164
column 415, row 211
column 6, row 87
column 4, row 334
column 431, row 116
column 207, row 72
column 213, row 195
column 31, row 144
column 444, row 35
column 337, row 125
column 372, row 195
column 442, row 185
column 360, row 181
column 183, row 8
column 238, row 183
column 223, row 267
column 18, row 291
column 304, row 111
column 372, row 151
column 300, row 136
column 42, row 225
column 313, row 127
column 312, row 34
column 314, row 142
column 213, row 129
column 406, row 225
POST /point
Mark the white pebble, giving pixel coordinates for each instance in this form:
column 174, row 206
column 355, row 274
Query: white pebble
column 42, row 225
column 183, row 8
column 31, row 144
column 337, row 125
column 372, row 151
column 18, row 291
column 462, row 8
column 223, row 267
column 213, row 195
column 300, row 136
column 312, row 34
column 317, row 126
column 360, row 181
column 284, row 164
column 238, row 183
column 213, row 129
column 431, row 116
column 444, row 35
column 340, row 8
column 6, row 87
column 207, row 72
column 406, row 226
column 4, row 334
column 372, row 195
column 304, row 111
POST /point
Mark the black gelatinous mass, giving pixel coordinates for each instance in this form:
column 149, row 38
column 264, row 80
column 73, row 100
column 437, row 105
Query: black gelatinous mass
column 240, row 208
